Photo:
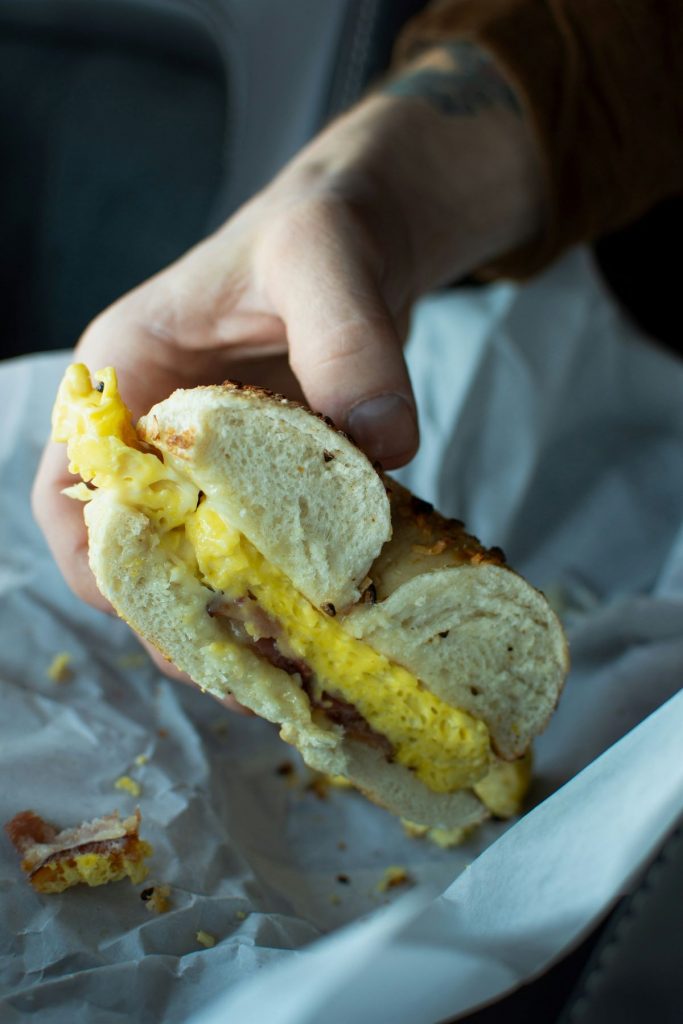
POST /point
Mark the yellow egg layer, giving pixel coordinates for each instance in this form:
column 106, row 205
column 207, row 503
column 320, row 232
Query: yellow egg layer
column 94, row 868
column 447, row 748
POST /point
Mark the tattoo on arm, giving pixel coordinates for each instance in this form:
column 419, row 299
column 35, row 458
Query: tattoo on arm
column 473, row 84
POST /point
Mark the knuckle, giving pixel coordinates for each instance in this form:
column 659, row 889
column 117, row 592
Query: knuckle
column 304, row 222
column 353, row 340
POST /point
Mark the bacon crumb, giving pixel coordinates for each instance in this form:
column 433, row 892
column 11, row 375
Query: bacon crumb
column 104, row 850
column 393, row 877
column 156, row 898
column 319, row 786
column 27, row 828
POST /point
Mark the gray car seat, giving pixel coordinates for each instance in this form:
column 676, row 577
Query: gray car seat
column 134, row 127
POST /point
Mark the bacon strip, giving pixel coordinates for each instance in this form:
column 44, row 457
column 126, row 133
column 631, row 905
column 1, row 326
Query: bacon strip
column 269, row 643
column 265, row 635
column 342, row 713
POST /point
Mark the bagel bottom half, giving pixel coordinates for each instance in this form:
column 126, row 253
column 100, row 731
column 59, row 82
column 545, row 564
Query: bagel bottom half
column 166, row 603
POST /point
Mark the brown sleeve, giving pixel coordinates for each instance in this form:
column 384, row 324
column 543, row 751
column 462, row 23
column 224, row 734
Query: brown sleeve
column 602, row 82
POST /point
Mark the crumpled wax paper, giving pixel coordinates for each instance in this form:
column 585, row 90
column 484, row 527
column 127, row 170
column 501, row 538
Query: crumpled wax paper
column 553, row 429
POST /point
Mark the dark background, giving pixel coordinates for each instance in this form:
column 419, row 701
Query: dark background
column 120, row 145
column 112, row 159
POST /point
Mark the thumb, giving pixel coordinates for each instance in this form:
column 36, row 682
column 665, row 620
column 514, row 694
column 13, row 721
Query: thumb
column 345, row 350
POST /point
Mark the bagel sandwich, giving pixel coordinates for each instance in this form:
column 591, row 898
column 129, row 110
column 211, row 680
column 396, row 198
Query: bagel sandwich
column 262, row 553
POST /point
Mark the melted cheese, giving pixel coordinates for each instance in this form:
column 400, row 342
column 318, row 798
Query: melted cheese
column 447, row 748
column 105, row 451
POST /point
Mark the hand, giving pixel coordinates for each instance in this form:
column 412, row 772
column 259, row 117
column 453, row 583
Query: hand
column 308, row 288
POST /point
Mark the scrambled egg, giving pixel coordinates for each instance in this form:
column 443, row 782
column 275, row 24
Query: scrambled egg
column 59, row 668
column 502, row 790
column 504, row 787
column 128, row 785
column 93, row 868
column 105, row 451
column 447, row 748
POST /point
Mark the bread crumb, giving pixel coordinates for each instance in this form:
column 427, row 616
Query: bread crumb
column 156, row 898
column 443, row 837
column 339, row 782
column 393, row 877
column 59, row 670
column 96, row 852
column 412, row 829
column 437, row 548
column 141, row 759
column 205, row 939
column 320, row 784
column 240, row 915
column 128, row 785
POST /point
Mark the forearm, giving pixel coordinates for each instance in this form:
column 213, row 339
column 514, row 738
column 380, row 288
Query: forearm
column 602, row 85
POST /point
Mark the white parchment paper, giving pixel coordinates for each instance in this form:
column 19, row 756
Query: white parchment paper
column 553, row 428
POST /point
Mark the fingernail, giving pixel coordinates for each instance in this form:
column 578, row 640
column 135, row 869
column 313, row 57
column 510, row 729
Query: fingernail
column 384, row 427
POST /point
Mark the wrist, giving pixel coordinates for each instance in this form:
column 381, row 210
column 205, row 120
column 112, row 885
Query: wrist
column 441, row 166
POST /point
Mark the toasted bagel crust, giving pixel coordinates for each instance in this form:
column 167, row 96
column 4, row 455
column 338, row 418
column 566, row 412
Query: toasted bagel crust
column 287, row 479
